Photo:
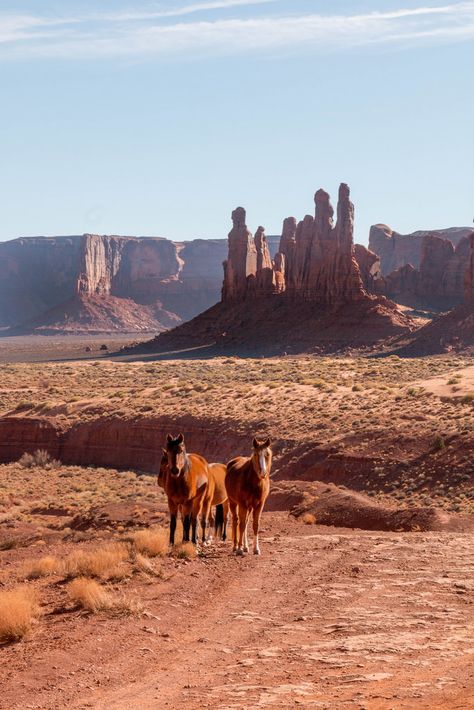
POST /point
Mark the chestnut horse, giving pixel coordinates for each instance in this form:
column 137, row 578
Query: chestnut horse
column 248, row 485
column 216, row 494
column 219, row 498
column 186, row 483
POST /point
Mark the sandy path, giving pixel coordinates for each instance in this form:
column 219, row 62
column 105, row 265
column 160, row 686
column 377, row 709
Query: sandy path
column 322, row 620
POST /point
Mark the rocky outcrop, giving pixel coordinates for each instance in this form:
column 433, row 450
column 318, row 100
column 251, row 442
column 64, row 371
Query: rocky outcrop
column 469, row 274
column 452, row 331
column 369, row 267
column 438, row 283
column 396, row 250
column 240, row 269
column 315, row 262
column 310, row 298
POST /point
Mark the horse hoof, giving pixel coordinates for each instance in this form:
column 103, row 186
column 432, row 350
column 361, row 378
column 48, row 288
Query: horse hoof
column 246, row 549
column 256, row 551
column 239, row 552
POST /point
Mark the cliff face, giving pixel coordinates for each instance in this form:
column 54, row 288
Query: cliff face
column 469, row 274
column 41, row 276
column 396, row 250
column 438, row 282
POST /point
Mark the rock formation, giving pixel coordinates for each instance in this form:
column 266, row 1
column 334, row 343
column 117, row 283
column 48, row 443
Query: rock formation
column 396, row 250
column 311, row 297
column 452, row 331
column 437, row 284
column 369, row 267
column 469, row 274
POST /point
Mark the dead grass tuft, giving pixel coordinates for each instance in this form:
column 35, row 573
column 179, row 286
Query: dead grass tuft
column 90, row 595
column 185, row 551
column 43, row 567
column 106, row 562
column 152, row 542
column 308, row 519
column 18, row 611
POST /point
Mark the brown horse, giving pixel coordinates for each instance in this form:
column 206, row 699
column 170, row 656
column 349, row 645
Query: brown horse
column 216, row 494
column 219, row 498
column 248, row 485
column 186, row 483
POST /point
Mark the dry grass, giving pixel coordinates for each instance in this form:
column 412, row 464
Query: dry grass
column 18, row 611
column 185, row 551
column 152, row 542
column 44, row 567
column 106, row 562
column 88, row 594
column 308, row 519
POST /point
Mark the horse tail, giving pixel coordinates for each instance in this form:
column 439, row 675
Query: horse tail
column 219, row 520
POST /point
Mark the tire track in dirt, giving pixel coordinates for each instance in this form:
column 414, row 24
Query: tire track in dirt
column 345, row 619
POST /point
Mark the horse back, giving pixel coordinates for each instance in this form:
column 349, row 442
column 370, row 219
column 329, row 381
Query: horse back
column 218, row 472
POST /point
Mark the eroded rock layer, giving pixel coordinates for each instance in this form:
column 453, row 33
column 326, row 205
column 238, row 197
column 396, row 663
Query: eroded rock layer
column 310, row 297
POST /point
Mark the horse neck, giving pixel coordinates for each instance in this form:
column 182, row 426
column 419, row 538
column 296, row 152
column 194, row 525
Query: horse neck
column 187, row 466
column 254, row 472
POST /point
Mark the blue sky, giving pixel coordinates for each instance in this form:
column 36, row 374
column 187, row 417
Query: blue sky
column 159, row 118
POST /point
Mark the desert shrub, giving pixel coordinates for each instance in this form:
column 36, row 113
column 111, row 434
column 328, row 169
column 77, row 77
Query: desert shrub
column 468, row 398
column 308, row 519
column 152, row 542
column 104, row 563
column 43, row 567
column 185, row 551
column 18, row 611
column 439, row 443
column 40, row 458
column 90, row 595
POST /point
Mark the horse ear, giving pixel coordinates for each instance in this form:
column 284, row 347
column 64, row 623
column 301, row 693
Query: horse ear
column 169, row 438
column 267, row 443
column 164, row 452
column 180, row 439
column 255, row 443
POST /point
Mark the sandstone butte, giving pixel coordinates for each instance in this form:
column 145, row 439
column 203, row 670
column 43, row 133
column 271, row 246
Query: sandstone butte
column 436, row 284
column 102, row 283
column 310, row 298
column 452, row 331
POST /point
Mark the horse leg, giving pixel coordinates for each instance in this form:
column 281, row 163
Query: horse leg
column 226, row 520
column 256, row 524
column 173, row 514
column 246, row 534
column 243, row 520
column 233, row 510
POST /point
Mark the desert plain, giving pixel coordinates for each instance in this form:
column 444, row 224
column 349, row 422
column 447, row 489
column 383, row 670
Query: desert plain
column 362, row 596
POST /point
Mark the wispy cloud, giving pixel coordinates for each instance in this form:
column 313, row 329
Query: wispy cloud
column 142, row 33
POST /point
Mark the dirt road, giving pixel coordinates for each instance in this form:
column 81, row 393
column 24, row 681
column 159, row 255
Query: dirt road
column 323, row 619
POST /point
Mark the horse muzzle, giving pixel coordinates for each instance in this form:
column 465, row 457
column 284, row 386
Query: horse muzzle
column 174, row 471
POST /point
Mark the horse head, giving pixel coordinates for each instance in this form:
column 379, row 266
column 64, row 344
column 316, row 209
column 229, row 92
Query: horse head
column 177, row 459
column 262, row 457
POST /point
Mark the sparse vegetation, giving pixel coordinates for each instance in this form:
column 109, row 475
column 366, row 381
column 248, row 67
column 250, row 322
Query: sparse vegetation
column 18, row 611
column 44, row 567
column 105, row 562
column 90, row 595
column 152, row 542
column 39, row 459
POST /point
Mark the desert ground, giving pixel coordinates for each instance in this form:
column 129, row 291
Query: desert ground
column 362, row 596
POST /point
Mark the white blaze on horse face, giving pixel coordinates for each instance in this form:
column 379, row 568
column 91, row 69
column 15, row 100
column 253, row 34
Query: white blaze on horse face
column 263, row 464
